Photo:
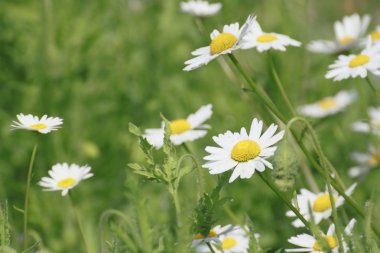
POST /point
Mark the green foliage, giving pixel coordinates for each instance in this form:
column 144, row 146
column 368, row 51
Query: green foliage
column 285, row 166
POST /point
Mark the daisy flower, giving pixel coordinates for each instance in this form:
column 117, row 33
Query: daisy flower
column 329, row 105
column 309, row 243
column 200, row 8
column 182, row 130
column 243, row 152
column 231, row 240
column 367, row 161
column 320, row 205
column 348, row 33
column 375, row 35
column 221, row 43
column 372, row 126
column 42, row 125
column 262, row 41
column 64, row 177
column 347, row 66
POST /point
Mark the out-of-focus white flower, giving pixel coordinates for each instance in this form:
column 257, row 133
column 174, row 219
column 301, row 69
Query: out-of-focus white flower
column 366, row 162
column 373, row 126
column 42, row 125
column 200, row 8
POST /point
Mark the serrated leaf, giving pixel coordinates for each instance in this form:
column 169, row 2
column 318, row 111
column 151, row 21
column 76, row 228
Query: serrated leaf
column 134, row 129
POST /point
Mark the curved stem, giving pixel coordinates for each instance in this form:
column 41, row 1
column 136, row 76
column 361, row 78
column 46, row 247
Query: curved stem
column 80, row 226
column 210, row 247
column 27, row 191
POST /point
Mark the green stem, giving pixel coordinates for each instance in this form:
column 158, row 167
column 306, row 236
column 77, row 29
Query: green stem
column 280, row 86
column 174, row 194
column 210, row 247
column 259, row 92
column 27, row 192
column 284, row 199
column 80, row 226
column 372, row 87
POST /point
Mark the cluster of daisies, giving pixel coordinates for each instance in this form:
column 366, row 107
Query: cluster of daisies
column 63, row 176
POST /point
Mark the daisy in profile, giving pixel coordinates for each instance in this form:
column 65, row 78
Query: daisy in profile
column 348, row 34
column 373, row 126
column 329, row 105
column 308, row 243
column 320, row 205
column 242, row 152
column 200, row 8
column 42, row 125
column 347, row 66
column 64, row 177
column 263, row 41
column 200, row 240
column 366, row 161
column 182, row 130
column 231, row 240
column 221, row 43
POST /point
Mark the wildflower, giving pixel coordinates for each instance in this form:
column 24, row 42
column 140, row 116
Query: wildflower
column 200, row 8
column 33, row 123
column 182, row 130
column 221, row 43
column 262, row 41
column 231, row 240
column 348, row 33
column 373, row 126
column 242, row 152
column 308, row 243
column 64, row 177
column 375, row 35
column 367, row 161
column 329, row 105
column 319, row 203
column 356, row 65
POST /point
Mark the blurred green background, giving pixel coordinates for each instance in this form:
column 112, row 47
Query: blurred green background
column 101, row 64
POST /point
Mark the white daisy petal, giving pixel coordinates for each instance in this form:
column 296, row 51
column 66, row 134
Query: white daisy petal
column 33, row 123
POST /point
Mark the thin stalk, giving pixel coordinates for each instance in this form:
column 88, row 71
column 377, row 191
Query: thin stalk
column 174, row 195
column 259, row 92
column 80, row 226
column 372, row 87
column 186, row 147
column 27, row 192
column 273, row 187
column 209, row 246
column 280, row 86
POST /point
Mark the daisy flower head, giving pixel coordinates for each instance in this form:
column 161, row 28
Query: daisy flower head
column 200, row 8
column 366, row 161
column 221, row 43
column 347, row 66
column 182, row 130
column 64, row 177
column 263, row 41
column 319, row 203
column 242, row 152
column 348, row 33
column 309, row 243
column 329, row 105
column 373, row 126
column 231, row 239
column 375, row 35
column 42, row 125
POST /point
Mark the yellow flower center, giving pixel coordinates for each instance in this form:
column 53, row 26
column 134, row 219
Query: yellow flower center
column 38, row 126
column 67, row 182
column 331, row 242
column 375, row 35
column 322, row 203
column 228, row 243
column 245, row 150
column 266, row 38
column 222, row 42
column 346, row 40
column 327, row 103
column 179, row 126
column 373, row 160
column 359, row 60
column 212, row 233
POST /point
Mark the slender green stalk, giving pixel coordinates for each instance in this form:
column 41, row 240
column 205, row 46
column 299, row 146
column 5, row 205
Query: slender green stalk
column 209, row 246
column 186, row 147
column 174, row 194
column 259, row 92
column 281, row 86
column 80, row 226
column 27, row 191
column 372, row 87
column 274, row 188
